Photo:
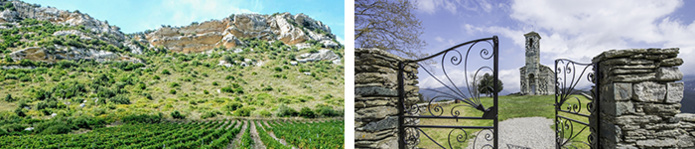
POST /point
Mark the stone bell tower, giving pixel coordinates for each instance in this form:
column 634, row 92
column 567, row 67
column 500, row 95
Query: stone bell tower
column 536, row 79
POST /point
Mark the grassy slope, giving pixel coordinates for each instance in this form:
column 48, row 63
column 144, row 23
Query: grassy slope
column 510, row 107
column 299, row 89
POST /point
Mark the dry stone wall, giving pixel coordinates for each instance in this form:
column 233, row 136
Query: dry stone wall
column 640, row 100
column 376, row 96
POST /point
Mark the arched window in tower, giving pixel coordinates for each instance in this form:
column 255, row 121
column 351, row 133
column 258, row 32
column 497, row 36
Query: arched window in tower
column 530, row 42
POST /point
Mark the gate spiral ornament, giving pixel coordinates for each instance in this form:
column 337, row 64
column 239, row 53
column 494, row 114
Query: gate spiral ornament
column 571, row 117
column 459, row 81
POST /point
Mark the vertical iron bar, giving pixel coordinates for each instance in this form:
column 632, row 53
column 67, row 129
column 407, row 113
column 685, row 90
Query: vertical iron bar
column 495, row 73
column 399, row 106
column 557, row 136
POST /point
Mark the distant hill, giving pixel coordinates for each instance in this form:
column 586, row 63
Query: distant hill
column 688, row 102
column 432, row 92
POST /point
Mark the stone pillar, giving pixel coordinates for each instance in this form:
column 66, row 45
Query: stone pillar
column 376, row 96
column 639, row 99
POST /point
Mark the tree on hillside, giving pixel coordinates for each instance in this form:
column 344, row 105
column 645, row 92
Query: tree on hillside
column 388, row 25
column 486, row 85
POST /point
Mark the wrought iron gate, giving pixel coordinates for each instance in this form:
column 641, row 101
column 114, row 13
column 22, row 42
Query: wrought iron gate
column 455, row 63
column 572, row 117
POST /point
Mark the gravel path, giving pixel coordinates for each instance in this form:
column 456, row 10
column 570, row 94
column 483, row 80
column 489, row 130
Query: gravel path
column 525, row 132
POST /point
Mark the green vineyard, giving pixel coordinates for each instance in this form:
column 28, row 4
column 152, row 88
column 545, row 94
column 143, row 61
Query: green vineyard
column 213, row 134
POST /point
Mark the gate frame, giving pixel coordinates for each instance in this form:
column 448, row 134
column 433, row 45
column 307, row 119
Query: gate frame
column 562, row 94
column 493, row 115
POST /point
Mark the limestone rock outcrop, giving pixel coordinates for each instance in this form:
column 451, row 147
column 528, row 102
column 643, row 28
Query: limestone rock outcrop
column 233, row 31
column 323, row 54
column 229, row 32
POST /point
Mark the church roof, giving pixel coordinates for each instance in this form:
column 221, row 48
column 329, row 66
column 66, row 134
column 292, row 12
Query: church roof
column 532, row 33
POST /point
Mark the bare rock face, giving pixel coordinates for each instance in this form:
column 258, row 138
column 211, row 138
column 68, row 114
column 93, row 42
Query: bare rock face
column 195, row 38
column 228, row 32
column 61, row 17
column 323, row 54
column 69, row 53
column 95, row 30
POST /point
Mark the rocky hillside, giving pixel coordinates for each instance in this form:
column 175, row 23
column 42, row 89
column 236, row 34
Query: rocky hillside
column 75, row 35
column 64, row 67
column 229, row 32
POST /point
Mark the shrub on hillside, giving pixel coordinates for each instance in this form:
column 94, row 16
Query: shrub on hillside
column 326, row 111
column 233, row 106
column 244, row 111
column 177, row 115
column 20, row 112
column 120, row 99
column 307, row 113
column 285, row 111
column 56, row 129
column 174, row 84
column 9, row 98
column 209, row 114
column 13, row 127
column 265, row 113
column 227, row 90
column 52, row 127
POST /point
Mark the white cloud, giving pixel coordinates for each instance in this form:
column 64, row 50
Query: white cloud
column 431, row 6
column 580, row 30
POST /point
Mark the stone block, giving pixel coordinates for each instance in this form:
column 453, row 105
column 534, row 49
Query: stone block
column 667, row 133
column 637, row 133
column 657, row 143
column 371, row 91
column 379, row 135
column 674, row 93
column 373, row 77
column 686, row 141
column 661, row 126
column 662, row 109
column 632, row 78
column 671, row 62
column 625, row 146
column 622, row 91
column 665, row 51
column 363, row 102
column 649, row 92
column 688, row 117
column 626, row 61
column 372, row 113
column 633, row 120
column 668, row 74
column 390, row 122
column 622, row 108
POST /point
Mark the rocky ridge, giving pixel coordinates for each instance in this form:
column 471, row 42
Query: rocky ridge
column 233, row 31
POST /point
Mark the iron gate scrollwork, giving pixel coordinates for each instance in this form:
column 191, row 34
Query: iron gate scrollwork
column 457, row 86
column 576, row 109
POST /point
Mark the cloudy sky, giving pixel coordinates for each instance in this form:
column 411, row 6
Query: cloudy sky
column 140, row 15
column 578, row 30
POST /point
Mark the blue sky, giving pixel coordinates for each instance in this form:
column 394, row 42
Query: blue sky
column 140, row 15
column 578, row 30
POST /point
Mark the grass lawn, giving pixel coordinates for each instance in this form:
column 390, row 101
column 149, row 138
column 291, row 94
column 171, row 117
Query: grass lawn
column 510, row 107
